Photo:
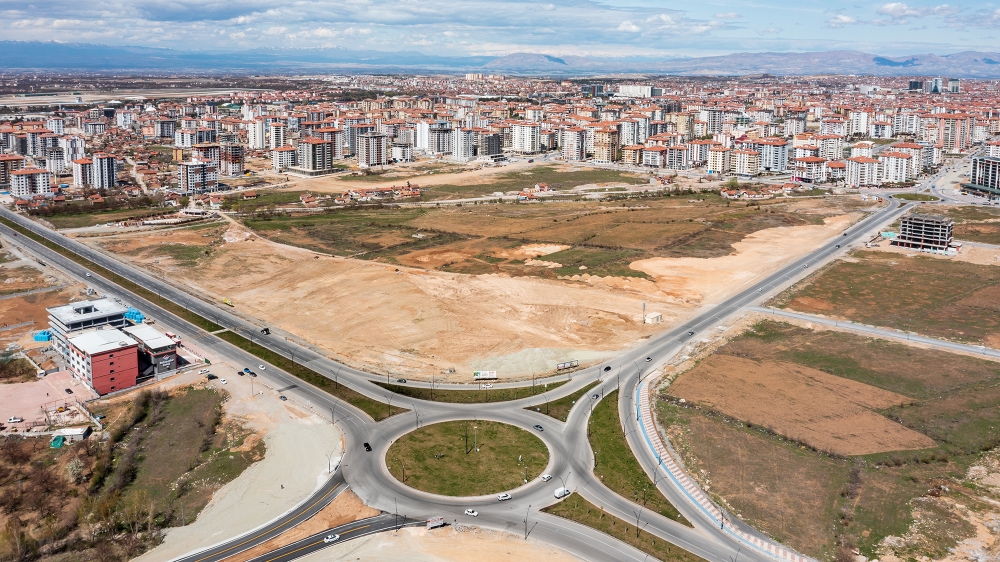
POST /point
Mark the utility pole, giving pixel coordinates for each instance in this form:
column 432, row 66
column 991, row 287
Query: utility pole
column 396, row 513
column 475, row 437
column 388, row 405
column 526, row 521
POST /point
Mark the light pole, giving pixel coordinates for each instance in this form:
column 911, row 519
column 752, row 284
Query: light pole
column 416, row 413
column 475, row 437
column 388, row 405
column 564, row 481
column 526, row 521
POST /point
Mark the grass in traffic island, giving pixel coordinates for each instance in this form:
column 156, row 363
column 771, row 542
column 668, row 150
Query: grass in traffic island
column 559, row 409
column 377, row 410
column 467, row 458
column 575, row 508
column 618, row 468
column 477, row 396
column 916, row 197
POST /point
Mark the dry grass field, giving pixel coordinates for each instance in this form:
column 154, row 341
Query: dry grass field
column 830, row 441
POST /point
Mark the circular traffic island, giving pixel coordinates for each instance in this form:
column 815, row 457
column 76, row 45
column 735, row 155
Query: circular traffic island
column 467, row 458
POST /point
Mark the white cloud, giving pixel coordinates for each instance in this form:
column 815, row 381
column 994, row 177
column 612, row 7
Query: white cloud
column 727, row 16
column 628, row 26
column 840, row 20
column 769, row 31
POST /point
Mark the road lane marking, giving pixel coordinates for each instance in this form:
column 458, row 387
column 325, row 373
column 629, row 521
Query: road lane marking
column 262, row 533
column 355, row 529
column 294, row 551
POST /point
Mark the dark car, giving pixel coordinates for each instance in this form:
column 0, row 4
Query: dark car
column 648, row 359
column 538, row 428
column 690, row 332
column 240, row 373
column 211, row 377
column 401, row 381
column 595, row 396
column 68, row 391
column 368, row 447
column 283, row 397
column 608, row 368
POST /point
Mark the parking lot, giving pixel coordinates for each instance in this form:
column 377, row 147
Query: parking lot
column 31, row 401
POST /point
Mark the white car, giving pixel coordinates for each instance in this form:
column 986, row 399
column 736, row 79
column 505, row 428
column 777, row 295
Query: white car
column 503, row 497
column 14, row 419
column 223, row 381
column 261, row 367
column 331, row 538
column 546, row 477
column 487, row 385
column 472, row 512
column 203, row 371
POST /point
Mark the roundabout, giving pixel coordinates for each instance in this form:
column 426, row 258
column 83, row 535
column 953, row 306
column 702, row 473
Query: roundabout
column 467, row 458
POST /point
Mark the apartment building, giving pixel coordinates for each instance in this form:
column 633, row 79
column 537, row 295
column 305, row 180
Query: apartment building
column 197, row 176
column 718, row 160
column 745, row 163
column 574, row 144
column 28, row 182
column 861, row 171
column 526, row 138
column 373, row 150
column 282, row 158
column 105, row 171
column 9, row 163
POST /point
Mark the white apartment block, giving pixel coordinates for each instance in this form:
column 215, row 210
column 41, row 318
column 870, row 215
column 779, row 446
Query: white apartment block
column 315, row 154
column 56, row 125
column 257, row 134
column 83, row 172
column 105, row 174
column 527, row 138
column 197, row 176
column 74, row 147
column 574, row 144
column 745, row 162
column 718, row 160
column 276, row 137
column 773, row 154
column 862, row 171
column 282, row 158
column 28, row 182
column 894, row 167
column 373, row 150
column 463, row 146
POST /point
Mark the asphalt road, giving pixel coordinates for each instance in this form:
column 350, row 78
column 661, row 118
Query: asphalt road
column 349, row 531
column 571, row 458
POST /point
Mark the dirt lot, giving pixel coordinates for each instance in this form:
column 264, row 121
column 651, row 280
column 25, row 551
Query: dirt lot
column 413, row 322
column 939, row 297
column 781, row 480
column 807, row 405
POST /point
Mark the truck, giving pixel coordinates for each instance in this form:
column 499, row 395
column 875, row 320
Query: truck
column 561, row 493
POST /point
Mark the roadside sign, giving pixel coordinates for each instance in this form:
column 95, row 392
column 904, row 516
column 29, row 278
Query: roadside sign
column 435, row 522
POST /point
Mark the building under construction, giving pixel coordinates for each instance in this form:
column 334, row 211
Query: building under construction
column 925, row 232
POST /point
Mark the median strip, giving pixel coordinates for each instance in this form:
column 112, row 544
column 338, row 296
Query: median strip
column 377, row 410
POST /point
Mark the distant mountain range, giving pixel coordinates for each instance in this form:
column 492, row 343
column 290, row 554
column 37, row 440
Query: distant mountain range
column 24, row 55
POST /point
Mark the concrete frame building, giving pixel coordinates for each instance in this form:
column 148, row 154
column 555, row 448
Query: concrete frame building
column 925, row 232
column 28, row 182
column 197, row 176
column 373, row 150
column 105, row 171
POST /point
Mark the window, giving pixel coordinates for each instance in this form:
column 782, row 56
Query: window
column 112, row 379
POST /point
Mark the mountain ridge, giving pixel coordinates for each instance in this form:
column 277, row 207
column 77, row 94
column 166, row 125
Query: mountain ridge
column 37, row 55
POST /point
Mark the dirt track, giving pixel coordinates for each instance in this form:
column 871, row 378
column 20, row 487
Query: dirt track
column 828, row 412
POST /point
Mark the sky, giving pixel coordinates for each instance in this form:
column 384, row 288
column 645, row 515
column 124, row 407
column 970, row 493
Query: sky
column 634, row 28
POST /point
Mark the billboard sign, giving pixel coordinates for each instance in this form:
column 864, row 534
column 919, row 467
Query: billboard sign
column 484, row 375
column 567, row 365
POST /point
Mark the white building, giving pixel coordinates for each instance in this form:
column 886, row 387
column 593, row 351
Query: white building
column 373, row 150
column 277, row 135
column 74, row 147
column 773, row 154
column 745, row 162
column 894, row 167
column 83, row 172
column 463, row 146
column 526, row 138
column 28, row 182
column 574, row 144
column 56, row 125
column 197, row 176
column 718, row 160
column 257, row 134
column 862, row 171
column 282, row 158
column 105, row 171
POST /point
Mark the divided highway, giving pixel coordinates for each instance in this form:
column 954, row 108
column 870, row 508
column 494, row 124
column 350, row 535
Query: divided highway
column 571, row 457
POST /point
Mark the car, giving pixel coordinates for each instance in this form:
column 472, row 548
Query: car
column 472, row 513
column 368, row 447
column 595, row 396
column 690, row 332
column 240, row 373
column 845, row 234
column 504, row 497
column 648, row 359
column 838, row 245
column 14, row 419
column 211, row 377
column 331, row 538
column 487, row 385
column 88, row 275
column 223, row 381
column 246, row 370
column 537, row 427
column 68, row 391
column 100, row 417
column 283, row 398
column 203, row 371
column 546, row 477
column 403, row 381
column 261, row 367
column 608, row 368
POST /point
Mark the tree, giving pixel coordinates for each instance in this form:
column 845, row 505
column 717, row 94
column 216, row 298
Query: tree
column 75, row 470
column 132, row 510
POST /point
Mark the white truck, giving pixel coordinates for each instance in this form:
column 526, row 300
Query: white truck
column 561, row 493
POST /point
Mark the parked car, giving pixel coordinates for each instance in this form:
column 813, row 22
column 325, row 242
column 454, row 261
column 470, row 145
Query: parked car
column 223, row 381
column 240, row 373
column 283, row 397
column 472, row 512
column 203, row 371
column 15, row 419
column 68, row 391
column 504, row 497
column 211, row 377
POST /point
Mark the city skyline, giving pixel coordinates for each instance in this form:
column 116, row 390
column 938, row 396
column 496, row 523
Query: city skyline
column 633, row 28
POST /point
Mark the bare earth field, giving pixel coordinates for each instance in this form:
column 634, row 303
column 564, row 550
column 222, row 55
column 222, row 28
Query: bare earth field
column 830, row 441
column 831, row 413
column 414, row 321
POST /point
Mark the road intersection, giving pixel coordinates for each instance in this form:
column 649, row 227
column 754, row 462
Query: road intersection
column 712, row 537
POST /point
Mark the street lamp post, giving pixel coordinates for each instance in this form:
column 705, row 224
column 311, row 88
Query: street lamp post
column 526, row 521
column 475, row 437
